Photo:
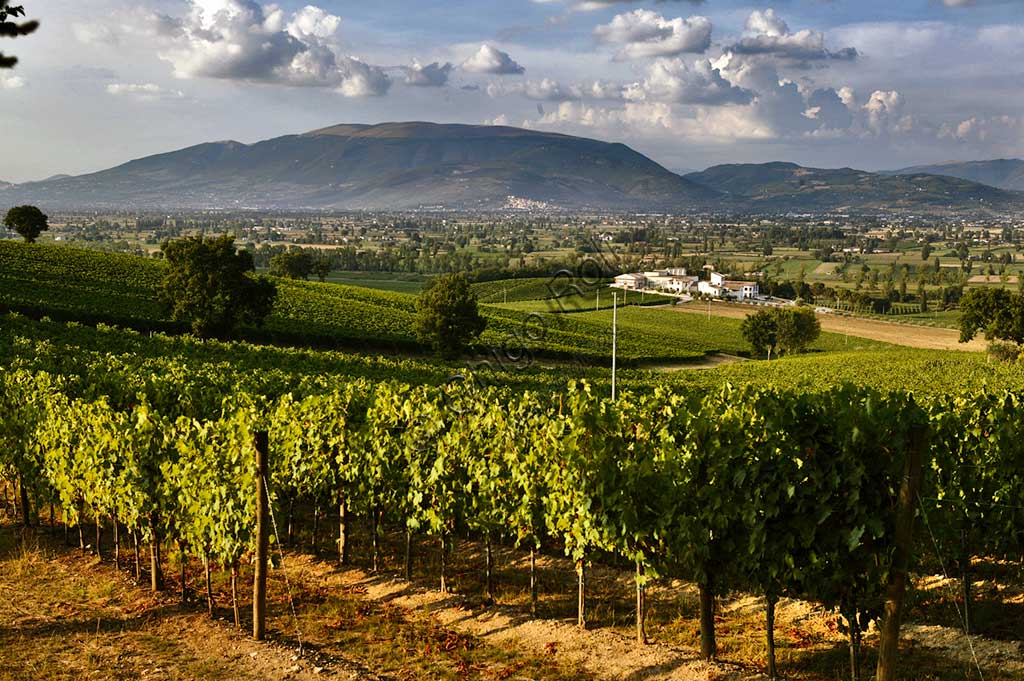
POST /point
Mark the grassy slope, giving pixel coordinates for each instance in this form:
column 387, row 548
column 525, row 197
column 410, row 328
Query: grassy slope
column 91, row 286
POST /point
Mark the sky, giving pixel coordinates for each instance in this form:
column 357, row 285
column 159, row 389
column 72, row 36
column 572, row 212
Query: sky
column 870, row 84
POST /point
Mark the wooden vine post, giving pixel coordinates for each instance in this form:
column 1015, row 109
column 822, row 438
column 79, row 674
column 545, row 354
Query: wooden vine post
column 889, row 640
column 259, row 580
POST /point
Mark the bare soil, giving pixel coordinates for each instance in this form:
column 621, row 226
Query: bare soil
column 908, row 335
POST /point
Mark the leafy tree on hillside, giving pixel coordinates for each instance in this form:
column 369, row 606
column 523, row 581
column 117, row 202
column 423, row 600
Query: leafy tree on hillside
column 208, row 285
column 997, row 312
column 322, row 266
column 448, row 318
column 780, row 330
column 12, row 29
column 798, row 328
column 762, row 332
column 28, row 221
column 293, row 264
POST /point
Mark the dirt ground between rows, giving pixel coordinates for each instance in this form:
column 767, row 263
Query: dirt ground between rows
column 908, row 335
column 606, row 654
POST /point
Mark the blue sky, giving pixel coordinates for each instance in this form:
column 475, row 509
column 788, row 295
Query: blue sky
column 867, row 84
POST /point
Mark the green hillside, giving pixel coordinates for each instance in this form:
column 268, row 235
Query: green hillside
column 90, row 286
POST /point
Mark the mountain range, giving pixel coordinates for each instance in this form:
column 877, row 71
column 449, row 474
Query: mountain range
column 1005, row 173
column 789, row 187
column 386, row 166
column 403, row 166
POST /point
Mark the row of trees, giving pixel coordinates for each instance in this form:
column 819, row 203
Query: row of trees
column 776, row 492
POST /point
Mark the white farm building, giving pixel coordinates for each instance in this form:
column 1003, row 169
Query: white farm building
column 669, row 281
column 720, row 287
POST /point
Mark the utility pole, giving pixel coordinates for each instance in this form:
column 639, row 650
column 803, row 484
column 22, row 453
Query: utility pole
column 615, row 333
column 259, row 587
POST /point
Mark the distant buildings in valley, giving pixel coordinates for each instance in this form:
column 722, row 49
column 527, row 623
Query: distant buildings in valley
column 678, row 282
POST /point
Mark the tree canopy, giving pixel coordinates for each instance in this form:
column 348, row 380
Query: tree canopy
column 448, row 318
column 780, row 330
column 13, row 29
column 28, row 221
column 209, row 286
column 292, row 264
column 997, row 312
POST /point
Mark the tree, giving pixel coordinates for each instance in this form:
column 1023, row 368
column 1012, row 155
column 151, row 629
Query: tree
column 798, row 328
column 447, row 315
column 208, row 285
column 926, row 252
column 322, row 266
column 780, row 330
column 292, row 264
column 28, row 221
column 761, row 331
column 997, row 312
column 12, row 29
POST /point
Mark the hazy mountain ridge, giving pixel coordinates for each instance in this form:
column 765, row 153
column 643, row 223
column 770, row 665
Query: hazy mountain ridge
column 387, row 166
column 1004, row 173
column 402, row 166
column 788, row 186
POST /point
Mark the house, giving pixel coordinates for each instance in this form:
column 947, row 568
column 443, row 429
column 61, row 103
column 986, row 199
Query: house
column 720, row 287
column 632, row 282
column 670, row 281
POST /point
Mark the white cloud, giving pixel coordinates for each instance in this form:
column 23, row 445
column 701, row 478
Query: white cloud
column 242, row 40
column 884, row 112
column 144, row 91
column 11, row 82
column 767, row 33
column 491, row 60
column 95, row 33
column 313, row 22
column 673, row 80
column 550, row 90
column 766, row 23
column 428, row 75
column 643, row 33
column 1003, row 130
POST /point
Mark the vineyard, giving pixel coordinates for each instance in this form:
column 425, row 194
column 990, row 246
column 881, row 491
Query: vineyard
column 779, row 492
column 78, row 285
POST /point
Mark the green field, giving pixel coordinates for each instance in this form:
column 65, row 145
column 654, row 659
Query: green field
column 399, row 282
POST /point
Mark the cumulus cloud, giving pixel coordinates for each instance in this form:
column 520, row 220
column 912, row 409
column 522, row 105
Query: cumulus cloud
column 312, row 22
column 491, row 60
column 144, row 91
column 767, row 33
column 1004, row 130
column 884, row 111
column 644, row 33
column 673, row 80
column 242, row 40
column 428, row 75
